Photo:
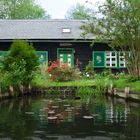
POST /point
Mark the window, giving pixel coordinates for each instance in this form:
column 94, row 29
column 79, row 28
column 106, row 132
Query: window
column 111, row 59
column 122, row 62
column 66, row 30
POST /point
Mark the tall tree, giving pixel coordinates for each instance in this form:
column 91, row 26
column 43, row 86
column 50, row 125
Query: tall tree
column 78, row 11
column 120, row 23
column 21, row 9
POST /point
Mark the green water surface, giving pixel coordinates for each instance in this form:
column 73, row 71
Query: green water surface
column 55, row 118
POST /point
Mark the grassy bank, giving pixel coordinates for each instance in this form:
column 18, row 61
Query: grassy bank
column 45, row 82
column 120, row 83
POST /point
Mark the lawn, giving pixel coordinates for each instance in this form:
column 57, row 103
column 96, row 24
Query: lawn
column 120, row 83
column 44, row 82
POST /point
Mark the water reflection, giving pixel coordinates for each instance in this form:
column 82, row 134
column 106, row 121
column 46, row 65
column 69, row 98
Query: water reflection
column 42, row 118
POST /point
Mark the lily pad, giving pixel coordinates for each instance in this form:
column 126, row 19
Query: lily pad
column 55, row 107
column 66, row 105
column 88, row 117
column 51, row 112
column 68, row 110
column 52, row 118
column 30, row 113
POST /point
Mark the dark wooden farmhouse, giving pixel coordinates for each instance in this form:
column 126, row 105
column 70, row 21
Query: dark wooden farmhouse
column 60, row 39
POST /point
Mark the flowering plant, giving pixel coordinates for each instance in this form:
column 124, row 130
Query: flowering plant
column 62, row 71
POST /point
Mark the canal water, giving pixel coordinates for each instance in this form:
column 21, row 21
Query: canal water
column 56, row 118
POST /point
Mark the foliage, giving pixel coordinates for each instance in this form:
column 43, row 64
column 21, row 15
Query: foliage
column 20, row 64
column 78, row 12
column 21, row 9
column 106, row 72
column 62, row 72
column 40, row 82
column 99, row 81
column 121, row 83
column 120, row 23
column 90, row 70
column 13, row 77
column 42, row 70
column 89, row 91
column 100, row 86
column 132, row 79
column 85, row 90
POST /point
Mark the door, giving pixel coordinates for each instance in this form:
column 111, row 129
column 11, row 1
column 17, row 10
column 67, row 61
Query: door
column 66, row 56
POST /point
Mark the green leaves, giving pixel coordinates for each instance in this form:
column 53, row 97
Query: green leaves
column 21, row 9
column 79, row 12
column 120, row 24
column 19, row 65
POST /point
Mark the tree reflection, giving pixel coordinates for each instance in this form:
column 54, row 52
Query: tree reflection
column 39, row 116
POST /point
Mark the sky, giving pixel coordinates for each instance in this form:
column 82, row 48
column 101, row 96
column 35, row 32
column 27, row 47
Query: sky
column 58, row 8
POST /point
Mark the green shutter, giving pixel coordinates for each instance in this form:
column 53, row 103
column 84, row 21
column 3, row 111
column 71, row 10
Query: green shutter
column 2, row 54
column 98, row 59
column 43, row 57
column 66, row 55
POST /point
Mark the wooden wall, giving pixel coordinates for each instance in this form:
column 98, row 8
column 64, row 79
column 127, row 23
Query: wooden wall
column 83, row 50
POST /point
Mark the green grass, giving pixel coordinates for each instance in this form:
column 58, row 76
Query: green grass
column 40, row 82
column 122, row 83
column 99, row 80
column 135, row 86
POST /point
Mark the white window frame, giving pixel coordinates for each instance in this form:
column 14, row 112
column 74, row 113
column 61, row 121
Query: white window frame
column 110, row 57
column 120, row 61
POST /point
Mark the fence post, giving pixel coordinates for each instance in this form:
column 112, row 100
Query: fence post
column 127, row 91
column 111, row 89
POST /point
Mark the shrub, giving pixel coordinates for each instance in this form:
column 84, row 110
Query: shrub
column 106, row 72
column 13, row 77
column 20, row 63
column 42, row 70
column 132, row 78
column 90, row 70
column 85, row 90
column 62, row 72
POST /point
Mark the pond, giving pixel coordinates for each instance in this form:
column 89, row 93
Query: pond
column 56, row 118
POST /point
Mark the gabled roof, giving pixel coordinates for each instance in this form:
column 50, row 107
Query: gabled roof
column 40, row 29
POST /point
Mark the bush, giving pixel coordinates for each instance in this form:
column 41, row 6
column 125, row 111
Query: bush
column 20, row 63
column 62, row 72
column 13, row 77
column 132, row 78
column 90, row 70
column 106, row 72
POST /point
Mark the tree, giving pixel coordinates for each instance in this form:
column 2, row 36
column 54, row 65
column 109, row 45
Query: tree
column 78, row 12
column 20, row 64
column 120, row 23
column 21, row 9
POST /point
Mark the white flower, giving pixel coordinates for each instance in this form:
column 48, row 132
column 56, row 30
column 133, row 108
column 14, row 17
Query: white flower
column 87, row 74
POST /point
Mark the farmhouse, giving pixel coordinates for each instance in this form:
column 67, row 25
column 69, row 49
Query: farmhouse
column 60, row 39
